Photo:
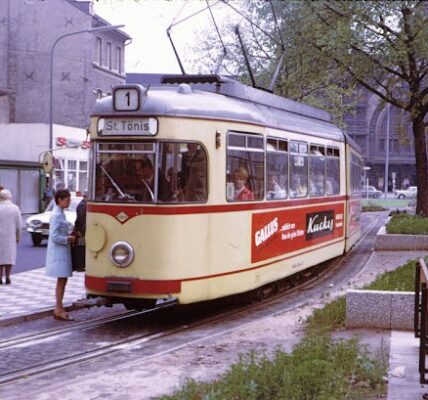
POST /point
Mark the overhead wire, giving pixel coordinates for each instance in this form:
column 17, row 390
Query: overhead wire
column 219, row 36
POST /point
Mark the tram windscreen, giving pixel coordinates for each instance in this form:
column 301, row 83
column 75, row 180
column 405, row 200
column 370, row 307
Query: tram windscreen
column 150, row 172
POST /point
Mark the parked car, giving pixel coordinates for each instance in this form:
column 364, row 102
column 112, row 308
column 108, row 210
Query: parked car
column 38, row 224
column 409, row 193
column 371, row 191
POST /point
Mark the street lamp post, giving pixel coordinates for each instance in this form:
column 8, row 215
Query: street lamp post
column 93, row 30
column 387, row 150
column 366, row 182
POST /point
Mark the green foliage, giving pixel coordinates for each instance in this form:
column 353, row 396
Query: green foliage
column 318, row 368
column 402, row 279
column 330, row 317
column 407, row 225
column 370, row 207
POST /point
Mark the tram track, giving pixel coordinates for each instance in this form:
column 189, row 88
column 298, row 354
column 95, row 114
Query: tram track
column 231, row 319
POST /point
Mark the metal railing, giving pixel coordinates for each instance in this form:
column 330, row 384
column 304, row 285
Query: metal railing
column 420, row 317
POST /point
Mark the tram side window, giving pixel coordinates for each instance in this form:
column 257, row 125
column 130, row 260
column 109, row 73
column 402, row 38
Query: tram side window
column 298, row 169
column 317, row 184
column 245, row 167
column 182, row 173
column 276, row 169
column 356, row 174
column 333, row 171
column 125, row 172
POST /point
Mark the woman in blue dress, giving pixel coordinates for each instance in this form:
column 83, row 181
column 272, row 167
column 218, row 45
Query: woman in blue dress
column 58, row 257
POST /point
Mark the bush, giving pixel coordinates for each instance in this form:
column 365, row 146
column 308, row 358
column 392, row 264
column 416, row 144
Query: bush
column 318, row 368
column 407, row 225
column 372, row 208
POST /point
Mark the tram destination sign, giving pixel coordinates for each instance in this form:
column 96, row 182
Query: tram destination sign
column 127, row 126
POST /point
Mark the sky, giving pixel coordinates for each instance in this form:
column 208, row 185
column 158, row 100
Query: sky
column 146, row 21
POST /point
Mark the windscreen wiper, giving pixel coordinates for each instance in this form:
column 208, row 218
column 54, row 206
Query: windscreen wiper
column 122, row 195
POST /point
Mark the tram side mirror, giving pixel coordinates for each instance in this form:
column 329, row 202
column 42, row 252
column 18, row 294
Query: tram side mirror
column 217, row 140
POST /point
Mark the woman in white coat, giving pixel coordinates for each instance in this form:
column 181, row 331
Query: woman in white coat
column 10, row 233
column 58, row 256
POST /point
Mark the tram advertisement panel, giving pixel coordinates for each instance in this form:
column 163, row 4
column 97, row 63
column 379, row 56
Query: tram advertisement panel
column 284, row 231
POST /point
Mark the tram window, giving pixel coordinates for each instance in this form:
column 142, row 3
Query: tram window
column 182, row 173
column 125, row 172
column 245, row 167
column 298, row 169
column 317, row 185
column 276, row 169
column 332, row 171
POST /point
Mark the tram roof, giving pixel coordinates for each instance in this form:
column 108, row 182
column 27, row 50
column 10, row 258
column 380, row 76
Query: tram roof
column 215, row 97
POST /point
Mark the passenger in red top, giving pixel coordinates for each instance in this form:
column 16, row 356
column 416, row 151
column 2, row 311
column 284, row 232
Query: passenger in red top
column 240, row 178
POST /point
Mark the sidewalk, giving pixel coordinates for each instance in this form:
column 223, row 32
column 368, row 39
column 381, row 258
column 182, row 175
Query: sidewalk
column 32, row 295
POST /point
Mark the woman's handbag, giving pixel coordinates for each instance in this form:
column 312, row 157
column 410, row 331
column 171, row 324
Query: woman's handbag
column 78, row 255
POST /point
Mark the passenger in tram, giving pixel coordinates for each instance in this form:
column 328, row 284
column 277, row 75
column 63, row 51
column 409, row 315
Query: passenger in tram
column 298, row 187
column 194, row 174
column 274, row 190
column 317, row 183
column 240, row 179
column 145, row 178
column 331, row 186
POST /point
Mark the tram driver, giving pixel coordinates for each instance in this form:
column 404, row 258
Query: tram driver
column 194, row 174
column 145, row 177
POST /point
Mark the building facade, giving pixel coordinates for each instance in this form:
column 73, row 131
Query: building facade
column 85, row 67
column 374, row 125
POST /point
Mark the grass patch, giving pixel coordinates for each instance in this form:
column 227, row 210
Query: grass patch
column 406, row 224
column 318, row 368
column 402, row 279
column 329, row 318
column 370, row 207
column 388, row 203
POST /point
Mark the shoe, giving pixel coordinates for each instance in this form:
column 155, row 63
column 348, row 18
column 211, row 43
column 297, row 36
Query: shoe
column 8, row 281
column 62, row 317
column 1, row 282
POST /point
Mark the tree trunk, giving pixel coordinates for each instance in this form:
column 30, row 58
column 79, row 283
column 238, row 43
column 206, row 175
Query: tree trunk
column 421, row 166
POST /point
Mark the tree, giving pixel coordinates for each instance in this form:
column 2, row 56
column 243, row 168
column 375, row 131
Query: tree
column 382, row 46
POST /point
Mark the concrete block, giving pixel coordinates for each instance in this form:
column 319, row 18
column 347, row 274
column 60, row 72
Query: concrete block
column 379, row 309
column 384, row 241
column 368, row 308
column 402, row 310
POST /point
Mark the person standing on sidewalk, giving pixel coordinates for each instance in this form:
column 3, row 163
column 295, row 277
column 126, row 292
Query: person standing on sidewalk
column 58, row 256
column 10, row 233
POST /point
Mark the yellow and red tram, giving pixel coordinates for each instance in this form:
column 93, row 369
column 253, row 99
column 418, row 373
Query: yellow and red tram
column 202, row 187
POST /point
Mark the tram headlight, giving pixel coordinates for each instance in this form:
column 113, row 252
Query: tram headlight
column 121, row 254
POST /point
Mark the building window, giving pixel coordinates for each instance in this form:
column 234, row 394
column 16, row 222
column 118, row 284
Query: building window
column 109, row 60
column 119, row 59
column 71, row 174
column 99, row 51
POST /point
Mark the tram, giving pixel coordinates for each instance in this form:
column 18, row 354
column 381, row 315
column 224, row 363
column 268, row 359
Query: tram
column 202, row 187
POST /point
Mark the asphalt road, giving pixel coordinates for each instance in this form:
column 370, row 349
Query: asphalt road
column 29, row 256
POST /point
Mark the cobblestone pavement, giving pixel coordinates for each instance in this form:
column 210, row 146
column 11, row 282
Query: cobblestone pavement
column 33, row 291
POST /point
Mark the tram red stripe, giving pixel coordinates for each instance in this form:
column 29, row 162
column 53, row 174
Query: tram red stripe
column 133, row 210
column 174, row 286
column 136, row 285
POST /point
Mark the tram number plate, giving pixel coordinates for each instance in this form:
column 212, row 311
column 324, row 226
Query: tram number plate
column 119, row 286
